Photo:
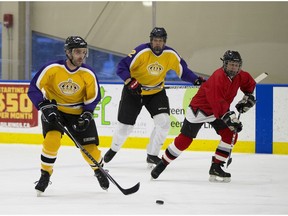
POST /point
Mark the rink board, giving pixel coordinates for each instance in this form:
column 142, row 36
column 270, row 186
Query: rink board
column 263, row 132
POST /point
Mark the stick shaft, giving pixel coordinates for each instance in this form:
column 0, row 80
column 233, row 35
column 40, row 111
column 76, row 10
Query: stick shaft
column 127, row 191
column 257, row 80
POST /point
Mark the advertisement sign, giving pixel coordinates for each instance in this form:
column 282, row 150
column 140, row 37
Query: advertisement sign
column 16, row 109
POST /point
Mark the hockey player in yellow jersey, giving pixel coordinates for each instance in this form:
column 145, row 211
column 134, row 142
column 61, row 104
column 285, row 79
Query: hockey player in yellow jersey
column 67, row 90
column 143, row 72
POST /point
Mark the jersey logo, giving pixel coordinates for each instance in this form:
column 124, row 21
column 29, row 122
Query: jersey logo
column 68, row 87
column 155, row 69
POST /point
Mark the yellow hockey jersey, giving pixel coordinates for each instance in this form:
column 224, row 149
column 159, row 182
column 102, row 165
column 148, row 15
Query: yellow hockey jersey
column 150, row 69
column 74, row 91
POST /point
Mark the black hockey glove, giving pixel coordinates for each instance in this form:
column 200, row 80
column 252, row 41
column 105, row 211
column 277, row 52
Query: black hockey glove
column 134, row 87
column 49, row 110
column 199, row 81
column 246, row 103
column 83, row 121
column 232, row 121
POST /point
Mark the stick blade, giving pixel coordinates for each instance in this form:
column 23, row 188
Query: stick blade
column 131, row 190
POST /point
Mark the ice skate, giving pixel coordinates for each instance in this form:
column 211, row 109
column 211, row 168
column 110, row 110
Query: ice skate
column 43, row 182
column 109, row 155
column 102, row 179
column 217, row 174
column 158, row 169
column 152, row 160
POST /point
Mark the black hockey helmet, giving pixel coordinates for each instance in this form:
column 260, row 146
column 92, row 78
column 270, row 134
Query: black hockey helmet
column 232, row 56
column 158, row 32
column 74, row 42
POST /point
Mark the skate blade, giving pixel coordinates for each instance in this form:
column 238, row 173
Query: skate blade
column 218, row 179
column 39, row 193
column 150, row 165
column 105, row 189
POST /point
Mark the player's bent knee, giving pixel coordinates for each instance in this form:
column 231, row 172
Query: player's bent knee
column 162, row 120
column 124, row 128
column 226, row 135
column 52, row 141
column 93, row 150
column 182, row 142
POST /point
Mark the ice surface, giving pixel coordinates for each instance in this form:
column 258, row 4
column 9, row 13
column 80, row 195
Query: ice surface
column 259, row 185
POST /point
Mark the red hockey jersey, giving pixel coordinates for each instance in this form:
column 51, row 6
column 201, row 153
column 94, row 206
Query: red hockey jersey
column 215, row 96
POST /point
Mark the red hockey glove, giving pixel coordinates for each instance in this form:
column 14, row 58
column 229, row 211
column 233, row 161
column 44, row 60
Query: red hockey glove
column 134, row 87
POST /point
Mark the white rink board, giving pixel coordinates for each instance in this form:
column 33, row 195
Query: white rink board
column 144, row 123
column 106, row 116
column 280, row 117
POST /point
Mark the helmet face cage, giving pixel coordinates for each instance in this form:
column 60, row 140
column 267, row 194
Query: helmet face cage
column 159, row 33
column 233, row 56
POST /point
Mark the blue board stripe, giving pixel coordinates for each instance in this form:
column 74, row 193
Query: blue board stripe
column 264, row 118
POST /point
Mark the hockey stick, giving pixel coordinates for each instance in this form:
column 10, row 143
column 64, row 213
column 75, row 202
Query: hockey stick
column 127, row 191
column 257, row 80
column 181, row 87
column 148, row 88
column 159, row 86
column 261, row 77
column 232, row 145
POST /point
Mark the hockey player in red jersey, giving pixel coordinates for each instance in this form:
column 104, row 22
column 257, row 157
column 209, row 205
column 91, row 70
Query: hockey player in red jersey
column 212, row 104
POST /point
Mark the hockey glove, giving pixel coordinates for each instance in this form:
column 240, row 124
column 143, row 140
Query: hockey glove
column 199, row 81
column 83, row 121
column 49, row 110
column 246, row 103
column 134, row 87
column 232, row 121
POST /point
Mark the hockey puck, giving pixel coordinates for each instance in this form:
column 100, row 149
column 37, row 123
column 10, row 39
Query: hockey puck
column 160, row 202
